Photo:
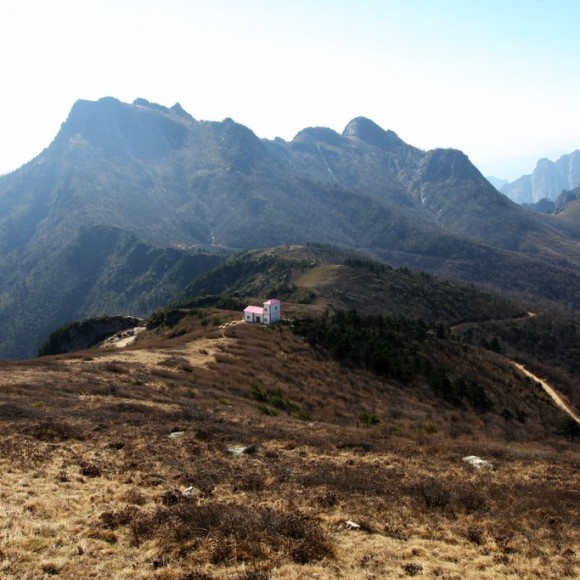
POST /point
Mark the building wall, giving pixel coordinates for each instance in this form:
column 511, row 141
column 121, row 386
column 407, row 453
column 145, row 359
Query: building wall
column 272, row 311
column 269, row 314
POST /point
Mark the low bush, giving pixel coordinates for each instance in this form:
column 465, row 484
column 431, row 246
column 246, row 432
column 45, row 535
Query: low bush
column 434, row 493
column 223, row 525
column 54, row 431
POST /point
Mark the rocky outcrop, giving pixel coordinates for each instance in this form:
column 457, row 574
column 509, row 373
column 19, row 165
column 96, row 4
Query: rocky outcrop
column 86, row 333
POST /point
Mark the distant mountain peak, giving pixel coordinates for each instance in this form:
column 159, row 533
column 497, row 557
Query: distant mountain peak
column 179, row 110
column 149, row 105
column 548, row 180
column 369, row 132
column 142, row 129
column 444, row 164
column 321, row 134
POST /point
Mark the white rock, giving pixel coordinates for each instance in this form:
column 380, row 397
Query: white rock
column 176, row 434
column 477, row 461
column 237, row 450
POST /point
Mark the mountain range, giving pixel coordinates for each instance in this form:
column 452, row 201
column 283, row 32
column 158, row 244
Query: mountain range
column 130, row 203
column 548, row 180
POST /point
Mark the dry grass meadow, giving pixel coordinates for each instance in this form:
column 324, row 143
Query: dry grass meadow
column 232, row 451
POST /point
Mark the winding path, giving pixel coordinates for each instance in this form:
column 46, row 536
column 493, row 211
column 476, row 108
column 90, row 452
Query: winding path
column 560, row 403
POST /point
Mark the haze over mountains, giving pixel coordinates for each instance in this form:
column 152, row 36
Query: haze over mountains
column 131, row 202
column 548, row 180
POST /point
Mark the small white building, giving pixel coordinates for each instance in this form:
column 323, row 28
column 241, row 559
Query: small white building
column 269, row 313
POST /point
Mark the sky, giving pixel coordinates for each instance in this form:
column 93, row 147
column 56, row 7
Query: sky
column 497, row 79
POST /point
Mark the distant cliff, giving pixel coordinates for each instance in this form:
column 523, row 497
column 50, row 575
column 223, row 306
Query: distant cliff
column 547, row 181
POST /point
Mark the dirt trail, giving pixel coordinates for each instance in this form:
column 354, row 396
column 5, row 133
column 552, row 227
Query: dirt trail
column 200, row 353
column 550, row 390
column 461, row 325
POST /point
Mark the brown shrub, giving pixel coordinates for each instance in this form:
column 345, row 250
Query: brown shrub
column 54, row 431
column 117, row 367
column 165, row 373
column 13, row 411
column 358, row 478
column 475, row 535
column 471, row 499
column 135, row 497
column 254, row 574
column 114, row 519
column 90, row 470
column 228, row 525
column 251, row 482
column 434, row 493
column 412, row 569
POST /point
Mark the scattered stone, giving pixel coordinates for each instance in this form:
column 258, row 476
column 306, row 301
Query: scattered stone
column 238, row 450
column 477, row 462
column 242, row 450
column 123, row 338
column 190, row 491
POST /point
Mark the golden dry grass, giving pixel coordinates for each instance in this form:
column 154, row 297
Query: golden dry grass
column 93, row 480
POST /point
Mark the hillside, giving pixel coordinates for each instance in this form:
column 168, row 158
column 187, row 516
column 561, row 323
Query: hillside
column 567, row 212
column 218, row 450
column 121, row 179
column 100, row 270
column 319, row 280
column 319, row 277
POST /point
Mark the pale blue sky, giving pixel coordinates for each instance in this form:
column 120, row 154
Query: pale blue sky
column 497, row 79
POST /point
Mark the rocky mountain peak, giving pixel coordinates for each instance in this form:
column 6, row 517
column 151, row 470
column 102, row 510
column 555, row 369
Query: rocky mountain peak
column 445, row 164
column 142, row 130
column 140, row 102
column 369, row 132
column 179, row 110
column 319, row 134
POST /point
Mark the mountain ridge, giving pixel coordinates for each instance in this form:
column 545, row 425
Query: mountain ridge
column 182, row 185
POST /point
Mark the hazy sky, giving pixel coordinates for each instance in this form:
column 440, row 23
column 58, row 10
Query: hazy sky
column 497, row 79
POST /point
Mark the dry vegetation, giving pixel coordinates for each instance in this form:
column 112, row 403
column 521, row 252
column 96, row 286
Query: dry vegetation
column 229, row 451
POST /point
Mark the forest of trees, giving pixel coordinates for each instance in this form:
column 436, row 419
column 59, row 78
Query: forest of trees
column 398, row 349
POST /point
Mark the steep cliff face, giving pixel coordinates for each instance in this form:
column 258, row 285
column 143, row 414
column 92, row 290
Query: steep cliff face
column 547, row 181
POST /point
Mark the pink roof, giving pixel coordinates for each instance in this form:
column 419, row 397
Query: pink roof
column 273, row 301
column 254, row 309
